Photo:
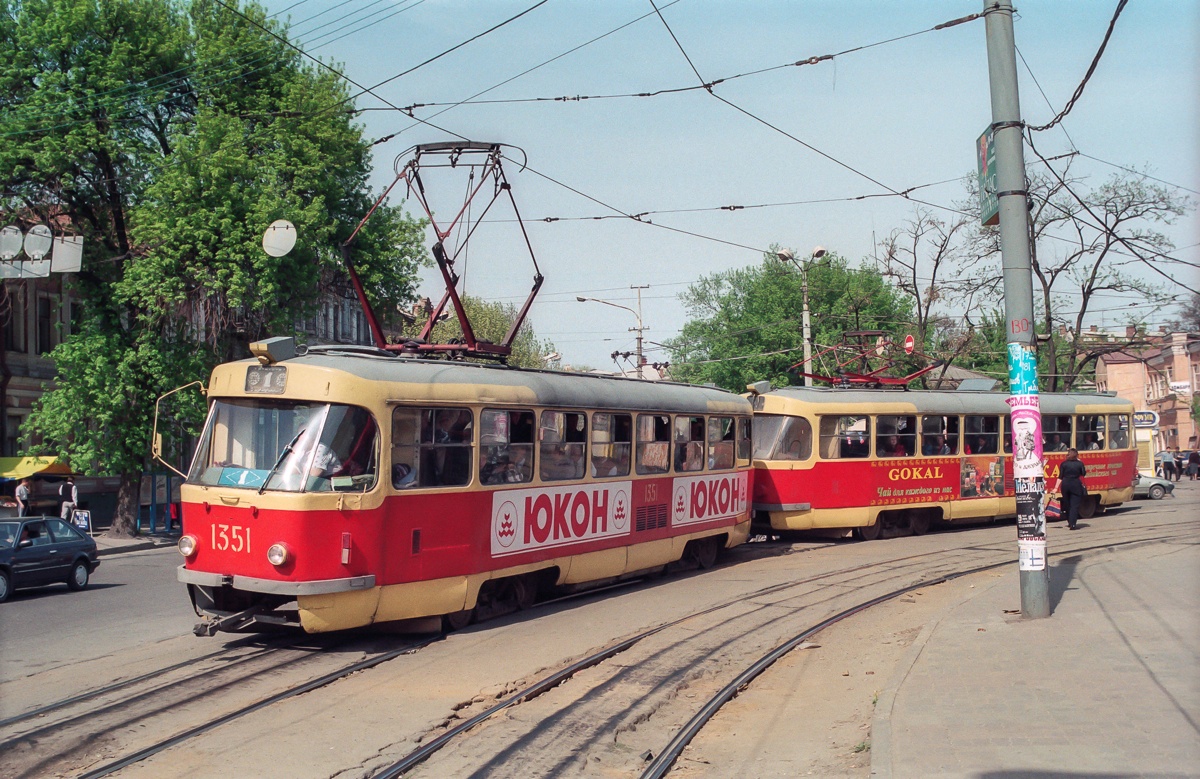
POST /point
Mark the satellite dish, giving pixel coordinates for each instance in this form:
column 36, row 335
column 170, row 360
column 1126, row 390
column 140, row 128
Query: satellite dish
column 279, row 238
column 10, row 243
column 38, row 241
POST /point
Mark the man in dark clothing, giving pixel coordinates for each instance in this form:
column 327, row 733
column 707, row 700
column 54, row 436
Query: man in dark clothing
column 1070, row 476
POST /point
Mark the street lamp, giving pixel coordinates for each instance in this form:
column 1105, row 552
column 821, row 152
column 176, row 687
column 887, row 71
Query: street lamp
column 786, row 256
column 639, row 329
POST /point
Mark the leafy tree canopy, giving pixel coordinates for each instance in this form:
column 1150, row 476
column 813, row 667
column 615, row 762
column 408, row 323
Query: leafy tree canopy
column 491, row 321
column 169, row 136
column 745, row 325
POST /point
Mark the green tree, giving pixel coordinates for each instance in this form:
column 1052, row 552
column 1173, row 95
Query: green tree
column 170, row 136
column 490, row 321
column 745, row 325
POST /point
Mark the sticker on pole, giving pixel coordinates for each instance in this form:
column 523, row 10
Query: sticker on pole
column 1031, row 555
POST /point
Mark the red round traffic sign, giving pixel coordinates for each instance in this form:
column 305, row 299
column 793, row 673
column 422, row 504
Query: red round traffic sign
column 910, row 343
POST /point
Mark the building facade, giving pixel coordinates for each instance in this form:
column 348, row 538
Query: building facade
column 1162, row 378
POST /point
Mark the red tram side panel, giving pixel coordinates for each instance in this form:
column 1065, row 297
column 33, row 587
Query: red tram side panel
column 333, row 559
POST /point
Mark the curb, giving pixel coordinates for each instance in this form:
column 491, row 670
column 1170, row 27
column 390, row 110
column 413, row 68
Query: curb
column 881, row 722
column 136, row 546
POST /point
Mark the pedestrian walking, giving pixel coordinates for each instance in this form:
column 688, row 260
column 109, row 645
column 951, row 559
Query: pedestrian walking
column 23, row 495
column 68, row 493
column 1180, row 464
column 1193, row 465
column 1166, row 464
column 1070, row 476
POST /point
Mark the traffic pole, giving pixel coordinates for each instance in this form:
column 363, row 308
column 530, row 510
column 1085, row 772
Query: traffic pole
column 1025, row 419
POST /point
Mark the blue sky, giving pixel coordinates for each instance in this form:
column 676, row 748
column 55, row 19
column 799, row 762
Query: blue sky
column 904, row 113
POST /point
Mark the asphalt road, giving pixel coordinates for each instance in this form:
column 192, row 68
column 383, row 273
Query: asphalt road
column 133, row 599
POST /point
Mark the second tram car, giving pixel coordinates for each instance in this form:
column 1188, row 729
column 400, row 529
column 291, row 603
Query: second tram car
column 346, row 486
column 866, row 459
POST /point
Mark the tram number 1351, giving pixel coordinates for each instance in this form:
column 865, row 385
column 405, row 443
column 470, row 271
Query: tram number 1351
column 234, row 537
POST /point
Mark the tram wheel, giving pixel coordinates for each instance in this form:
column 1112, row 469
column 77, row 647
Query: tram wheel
column 525, row 591
column 457, row 620
column 870, row 532
column 919, row 522
column 704, row 552
column 1088, row 506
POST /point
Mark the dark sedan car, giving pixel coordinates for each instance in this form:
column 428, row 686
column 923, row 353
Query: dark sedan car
column 43, row 550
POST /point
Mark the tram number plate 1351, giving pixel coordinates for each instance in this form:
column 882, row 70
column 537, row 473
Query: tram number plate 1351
column 266, row 379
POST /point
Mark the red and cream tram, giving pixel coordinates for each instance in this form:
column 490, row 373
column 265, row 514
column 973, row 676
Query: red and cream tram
column 349, row 486
column 867, row 459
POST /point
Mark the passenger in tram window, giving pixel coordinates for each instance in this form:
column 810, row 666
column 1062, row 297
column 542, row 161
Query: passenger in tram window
column 403, row 475
column 1092, row 442
column 893, row 447
column 1055, row 444
column 935, row 446
column 980, row 445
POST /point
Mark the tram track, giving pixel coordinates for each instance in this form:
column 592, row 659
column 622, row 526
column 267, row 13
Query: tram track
column 77, row 741
column 565, row 720
column 205, row 698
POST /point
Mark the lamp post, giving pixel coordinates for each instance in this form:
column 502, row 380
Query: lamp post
column 639, row 329
column 806, row 330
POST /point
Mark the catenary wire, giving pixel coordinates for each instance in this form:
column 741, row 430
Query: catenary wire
column 1086, row 76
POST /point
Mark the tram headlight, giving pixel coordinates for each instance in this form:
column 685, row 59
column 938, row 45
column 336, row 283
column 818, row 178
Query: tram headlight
column 187, row 545
column 278, row 554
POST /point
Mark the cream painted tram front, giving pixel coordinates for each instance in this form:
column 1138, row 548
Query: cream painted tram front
column 868, row 459
column 341, row 488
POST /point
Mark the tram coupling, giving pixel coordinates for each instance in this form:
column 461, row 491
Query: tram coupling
column 210, row 627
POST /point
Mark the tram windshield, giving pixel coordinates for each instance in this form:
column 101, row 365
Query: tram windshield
column 288, row 446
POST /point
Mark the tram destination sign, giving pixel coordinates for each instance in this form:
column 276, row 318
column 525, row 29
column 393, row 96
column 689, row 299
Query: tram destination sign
column 266, row 379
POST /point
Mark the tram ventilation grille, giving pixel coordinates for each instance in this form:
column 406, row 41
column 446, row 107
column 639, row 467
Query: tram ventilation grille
column 650, row 517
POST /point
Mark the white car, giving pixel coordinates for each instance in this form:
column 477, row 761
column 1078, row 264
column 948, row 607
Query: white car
column 1151, row 487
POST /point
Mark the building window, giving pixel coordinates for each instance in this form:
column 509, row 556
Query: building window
column 46, row 330
column 14, row 325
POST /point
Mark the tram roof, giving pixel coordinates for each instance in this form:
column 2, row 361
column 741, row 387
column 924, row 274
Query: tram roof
column 948, row 401
column 490, row 383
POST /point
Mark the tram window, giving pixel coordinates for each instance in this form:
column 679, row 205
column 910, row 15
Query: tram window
column 1089, row 432
column 612, row 440
column 1118, row 431
column 896, row 436
column 506, row 446
column 721, row 432
column 845, row 437
column 982, row 435
column 689, row 444
column 744, row 440
column 653, row 443
column 766, row 435
column 1056, row 433
column 562, row 440
column 351, row 456
column 444, row 448
column 939, row 436
column 288, row 445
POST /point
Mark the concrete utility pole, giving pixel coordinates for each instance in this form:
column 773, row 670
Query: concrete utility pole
column 640, row 329
column 1025, row 411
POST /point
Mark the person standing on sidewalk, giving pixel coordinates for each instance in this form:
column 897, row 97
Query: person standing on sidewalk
column 23, row 496
column 68, row 493
column 1070, row 475
column 1166, row 463
column 1180, row 464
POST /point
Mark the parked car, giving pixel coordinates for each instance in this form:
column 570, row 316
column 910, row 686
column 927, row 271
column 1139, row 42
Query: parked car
column 36, row 551
column 1151, row 487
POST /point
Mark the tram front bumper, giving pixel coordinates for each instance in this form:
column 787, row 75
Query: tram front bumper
column 274, row 587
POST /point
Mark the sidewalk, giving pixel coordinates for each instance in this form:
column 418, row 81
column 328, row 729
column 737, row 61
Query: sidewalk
column 1107, row 686
column 108, row 546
